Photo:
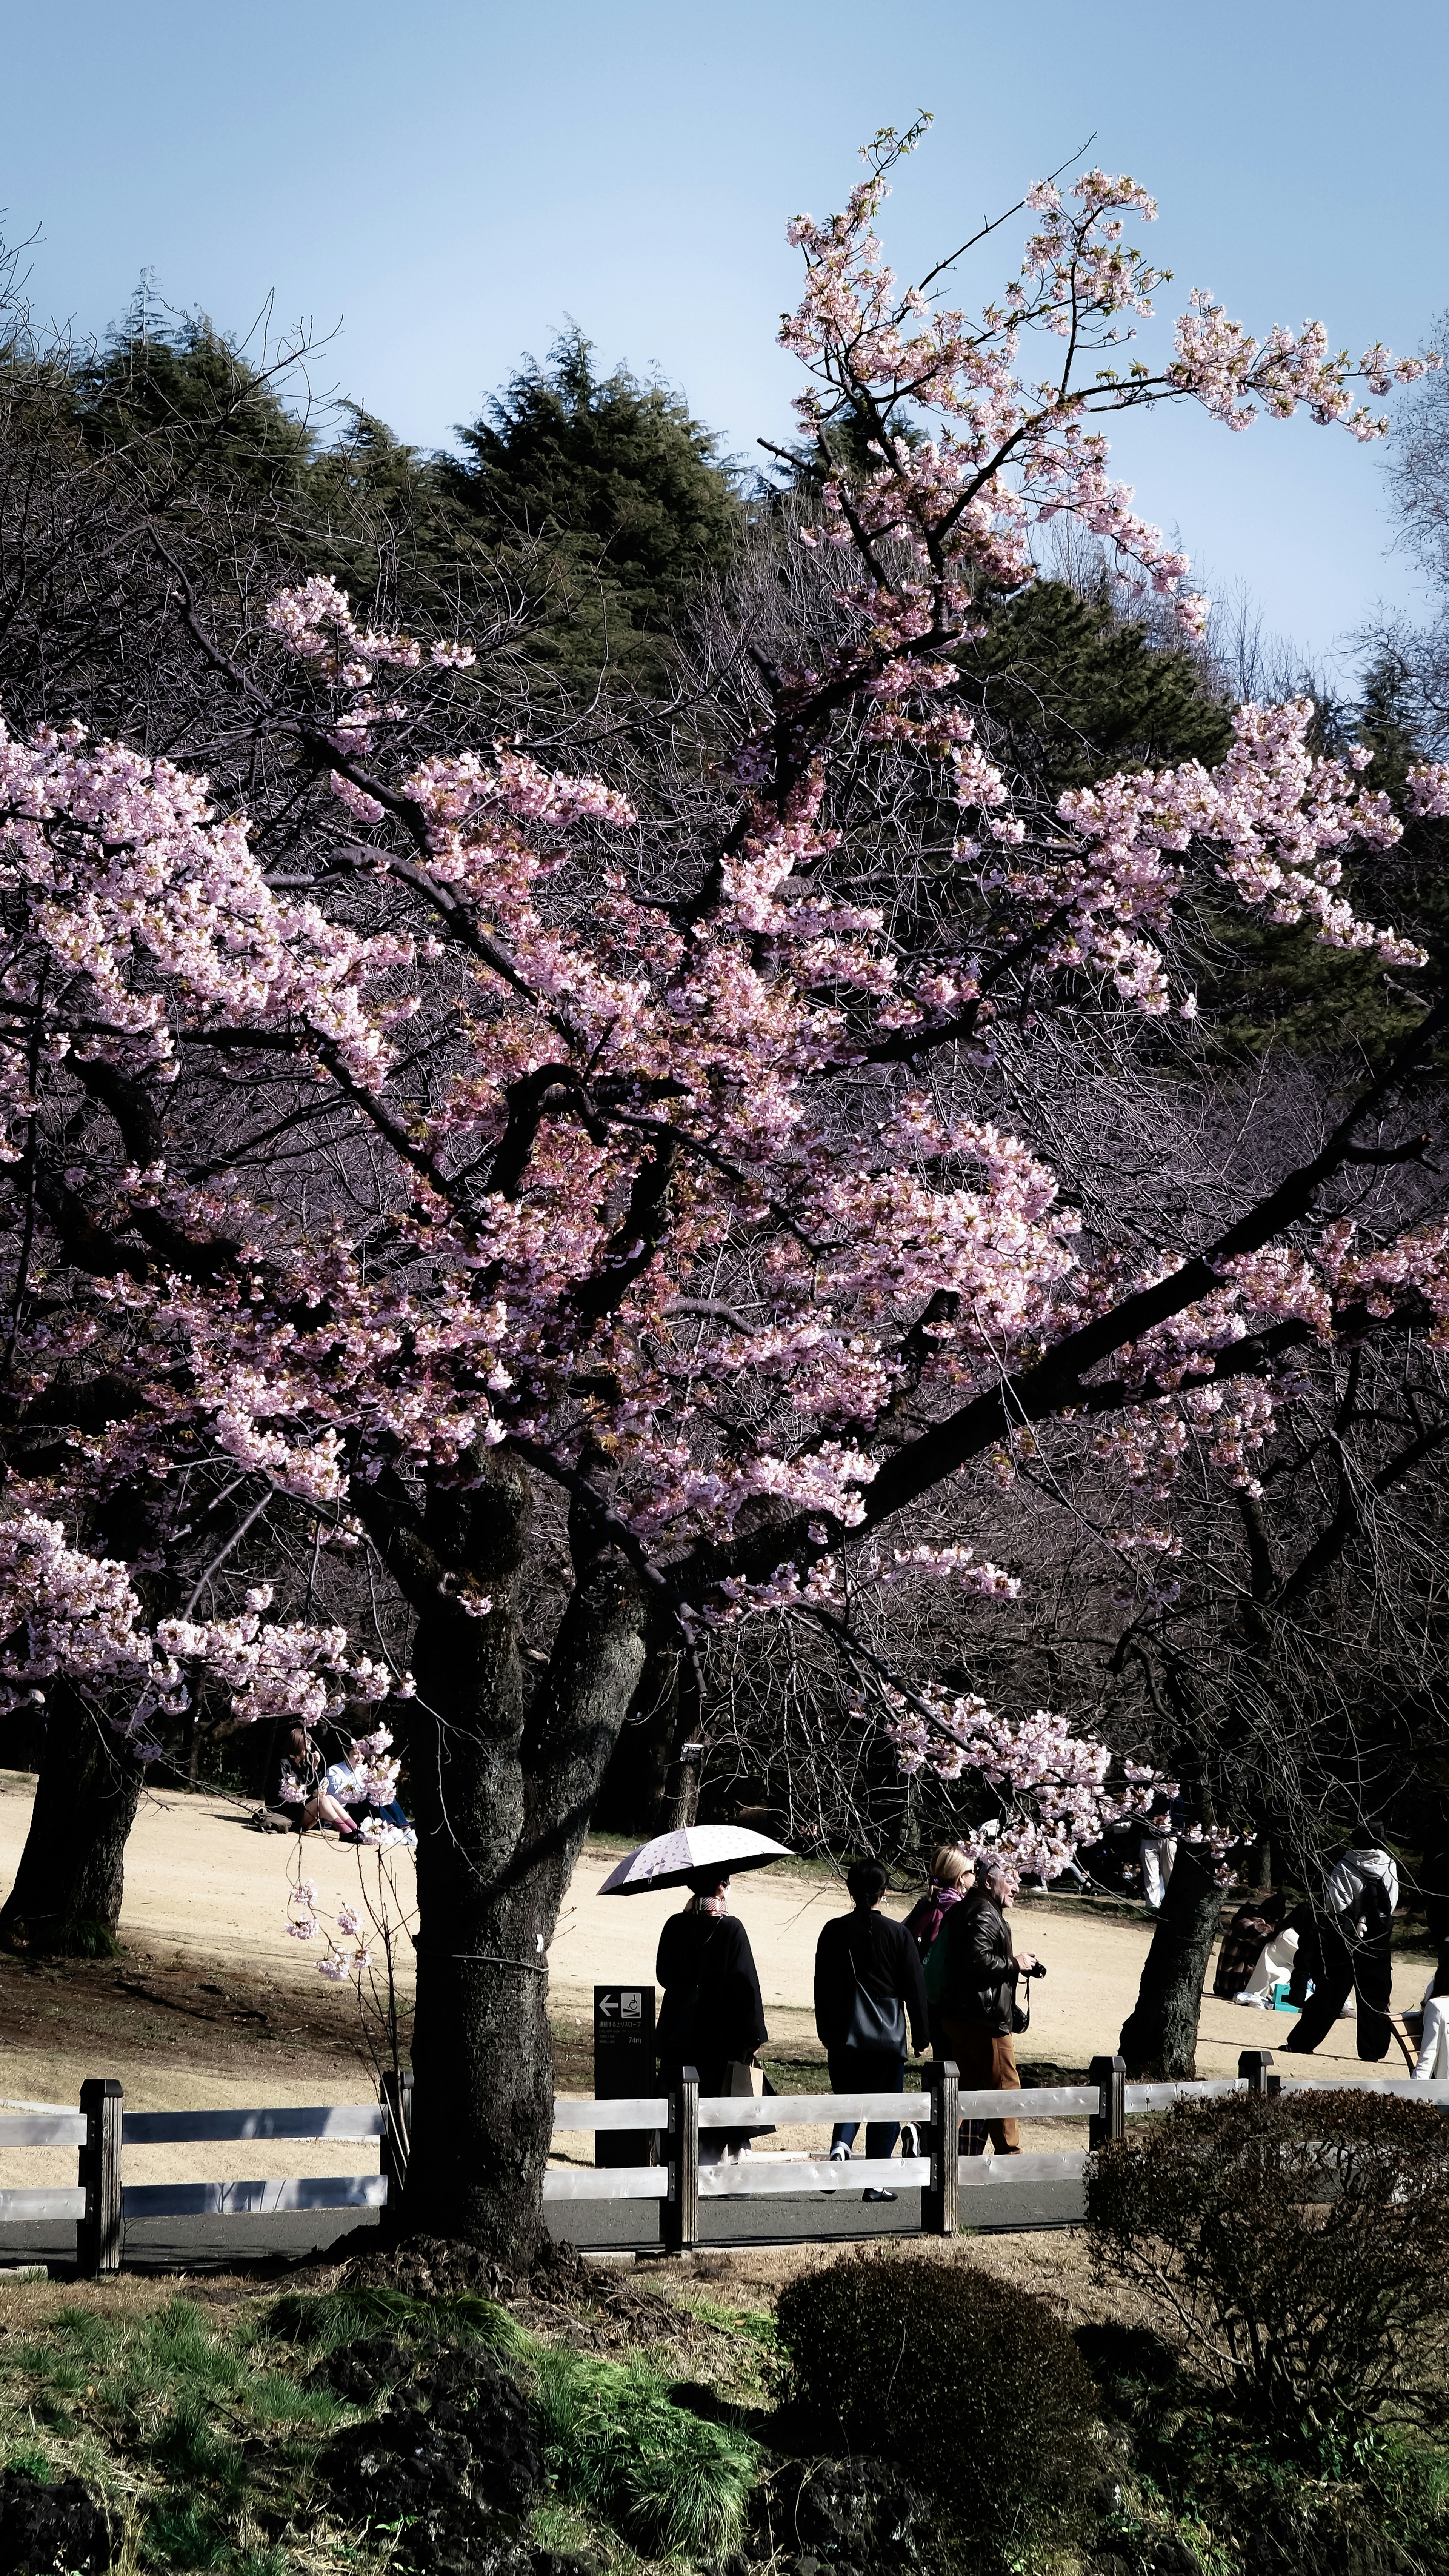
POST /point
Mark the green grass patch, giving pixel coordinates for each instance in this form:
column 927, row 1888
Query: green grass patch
column 329, row 2320
column 617, row 2446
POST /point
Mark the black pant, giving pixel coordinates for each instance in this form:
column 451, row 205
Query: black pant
column 1365, row 1971
column 867, row 2070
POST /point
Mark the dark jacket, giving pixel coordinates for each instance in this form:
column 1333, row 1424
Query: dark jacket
column 712, row 2010
column 869, row 1949
column 981, row 1972
column 929, row 1912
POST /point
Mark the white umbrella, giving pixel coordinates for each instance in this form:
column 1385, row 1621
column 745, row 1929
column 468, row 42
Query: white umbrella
column 671, row 1859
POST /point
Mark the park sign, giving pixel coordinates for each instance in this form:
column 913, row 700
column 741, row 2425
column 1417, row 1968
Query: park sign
column 624, row 2068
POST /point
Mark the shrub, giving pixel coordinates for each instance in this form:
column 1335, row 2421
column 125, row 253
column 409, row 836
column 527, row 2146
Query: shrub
column 976, row 2390
column 1301, row 2244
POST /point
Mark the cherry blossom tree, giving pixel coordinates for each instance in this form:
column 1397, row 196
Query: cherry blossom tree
column 502, row 1159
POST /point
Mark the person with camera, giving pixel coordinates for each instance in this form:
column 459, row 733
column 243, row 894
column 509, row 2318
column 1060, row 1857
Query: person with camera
column 979, row 2011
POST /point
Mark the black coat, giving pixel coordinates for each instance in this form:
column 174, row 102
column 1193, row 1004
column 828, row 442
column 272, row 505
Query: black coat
column 712, row 2010
column 981, row 1970
column 869, row 1949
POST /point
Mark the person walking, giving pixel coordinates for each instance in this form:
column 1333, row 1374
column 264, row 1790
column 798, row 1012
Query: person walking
column 951, row 1880
column 1349, row 1950
column 712, row 2016
column 978, row 2002
column 868, row 1986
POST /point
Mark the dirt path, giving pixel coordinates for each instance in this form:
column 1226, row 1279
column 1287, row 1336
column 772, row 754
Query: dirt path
column 212, row 2004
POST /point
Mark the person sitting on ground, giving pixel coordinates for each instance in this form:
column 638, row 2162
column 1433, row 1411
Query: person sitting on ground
column 951, row 1880
column 304, row 1787
column 1349, row 1950
column 385, row 1826
column 712, row 2016
column 868, row 1985
column 979, row 2000
column 1258, row 1923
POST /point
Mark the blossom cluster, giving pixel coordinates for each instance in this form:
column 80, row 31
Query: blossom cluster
column 644, row 1216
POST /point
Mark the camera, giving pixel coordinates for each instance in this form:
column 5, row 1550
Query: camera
column 1038, row 1971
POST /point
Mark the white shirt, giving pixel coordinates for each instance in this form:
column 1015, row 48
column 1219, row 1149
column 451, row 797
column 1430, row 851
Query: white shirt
column 1345, row 1884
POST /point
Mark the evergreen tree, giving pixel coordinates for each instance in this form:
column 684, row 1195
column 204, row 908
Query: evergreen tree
column 620, row 489
column 1081, row 691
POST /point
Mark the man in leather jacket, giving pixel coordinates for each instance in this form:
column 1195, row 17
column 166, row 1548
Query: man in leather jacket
column 980, row 1995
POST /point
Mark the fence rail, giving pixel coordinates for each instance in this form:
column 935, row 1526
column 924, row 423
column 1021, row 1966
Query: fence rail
column 102, row 2129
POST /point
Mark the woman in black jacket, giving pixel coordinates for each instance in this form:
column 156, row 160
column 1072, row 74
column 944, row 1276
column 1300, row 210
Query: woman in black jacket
column 712, row 2015
column 980, row 1995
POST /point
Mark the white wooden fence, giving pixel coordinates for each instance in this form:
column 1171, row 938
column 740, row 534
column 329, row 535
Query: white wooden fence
column 102, row 2129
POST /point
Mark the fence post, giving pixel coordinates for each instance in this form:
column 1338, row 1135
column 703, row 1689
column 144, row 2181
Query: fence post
column 1109, row 2121
column 938, row 2200
column 1253, row 2065
column 397, row 2134
column 98, row 2233
column 681, row 2210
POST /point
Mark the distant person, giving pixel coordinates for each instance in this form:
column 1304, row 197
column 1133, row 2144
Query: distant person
column 1432, row 2063
column 979, row 2001
column 1348, row 1950
column 1156, row 1853
column 712, row 2016
column 1433, row 2059
column 1257, row 1951
column 343, row 1784
column 868, row 1987
column 951, row 1879
column 304, row 1787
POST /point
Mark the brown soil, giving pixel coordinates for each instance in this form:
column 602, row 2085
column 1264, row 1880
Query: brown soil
column 177, row 2011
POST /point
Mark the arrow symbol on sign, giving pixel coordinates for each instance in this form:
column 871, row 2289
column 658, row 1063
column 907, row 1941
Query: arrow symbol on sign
column 608, row 2004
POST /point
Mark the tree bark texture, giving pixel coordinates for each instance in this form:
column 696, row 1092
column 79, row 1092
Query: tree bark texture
column 68, row 1888
column 1159, row 2036
column 502, row 1799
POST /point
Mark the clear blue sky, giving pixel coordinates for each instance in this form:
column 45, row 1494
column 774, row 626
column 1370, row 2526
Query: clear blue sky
column 450, row 179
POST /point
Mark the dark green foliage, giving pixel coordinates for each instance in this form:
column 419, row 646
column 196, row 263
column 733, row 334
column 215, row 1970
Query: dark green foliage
column 334, row 2320
column 188, row 389
column 1083, row 692
column 1303, row 2242
column 617, row 485
column 975, row 2390
column 1194, row 2484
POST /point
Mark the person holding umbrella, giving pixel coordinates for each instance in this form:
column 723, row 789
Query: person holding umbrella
column 712, row 2017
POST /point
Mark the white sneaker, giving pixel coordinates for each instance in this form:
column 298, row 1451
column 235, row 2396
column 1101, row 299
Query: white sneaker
column 1261, row 2001
column 840, row 2155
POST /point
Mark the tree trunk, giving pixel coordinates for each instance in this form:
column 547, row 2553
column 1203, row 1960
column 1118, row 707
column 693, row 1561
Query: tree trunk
column 1159, row 2036
column 501, row 1810
column 68, row 1888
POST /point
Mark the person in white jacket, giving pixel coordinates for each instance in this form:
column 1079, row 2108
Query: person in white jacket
column 1349, row 1950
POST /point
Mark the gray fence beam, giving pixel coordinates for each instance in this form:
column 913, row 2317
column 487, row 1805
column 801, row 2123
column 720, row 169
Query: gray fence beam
column 98, row 2233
